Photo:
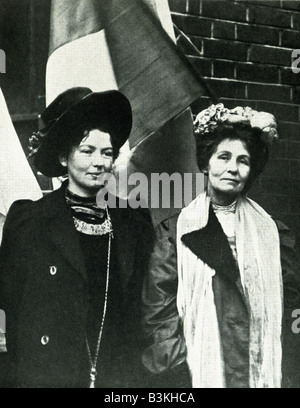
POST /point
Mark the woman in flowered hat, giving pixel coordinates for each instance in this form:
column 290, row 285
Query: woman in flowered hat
column 231, row 267
column 71, row 271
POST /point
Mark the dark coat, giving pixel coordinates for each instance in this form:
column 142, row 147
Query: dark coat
column 41, row 234
column 164, row 350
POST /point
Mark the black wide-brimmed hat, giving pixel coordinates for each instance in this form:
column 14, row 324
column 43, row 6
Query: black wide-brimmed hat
column 79, row 108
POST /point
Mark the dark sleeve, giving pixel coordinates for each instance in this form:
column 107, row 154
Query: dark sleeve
column 290, row 266
column 291, row 291
column 12, row 275
column 164, row 352
column 11, row 254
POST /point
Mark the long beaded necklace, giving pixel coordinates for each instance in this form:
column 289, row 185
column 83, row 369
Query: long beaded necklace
column 93, row 360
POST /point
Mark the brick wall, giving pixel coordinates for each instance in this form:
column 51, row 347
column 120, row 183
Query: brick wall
column 244, row 55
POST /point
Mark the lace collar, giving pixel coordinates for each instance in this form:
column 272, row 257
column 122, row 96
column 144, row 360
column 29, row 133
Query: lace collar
column 225, row 209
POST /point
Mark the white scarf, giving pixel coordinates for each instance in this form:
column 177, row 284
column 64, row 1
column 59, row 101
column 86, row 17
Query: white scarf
column 258, row 256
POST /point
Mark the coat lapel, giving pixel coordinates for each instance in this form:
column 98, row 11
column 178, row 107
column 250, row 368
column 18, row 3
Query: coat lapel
column 61, row 231
column 211, row 246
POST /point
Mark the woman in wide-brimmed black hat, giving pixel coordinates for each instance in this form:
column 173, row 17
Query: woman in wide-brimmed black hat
column 70, row 272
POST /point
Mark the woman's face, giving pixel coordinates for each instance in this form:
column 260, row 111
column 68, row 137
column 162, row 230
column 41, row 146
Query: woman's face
column 228, row 171
column 87, row 161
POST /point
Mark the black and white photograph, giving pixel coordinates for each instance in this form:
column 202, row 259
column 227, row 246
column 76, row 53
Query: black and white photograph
column 150, row 196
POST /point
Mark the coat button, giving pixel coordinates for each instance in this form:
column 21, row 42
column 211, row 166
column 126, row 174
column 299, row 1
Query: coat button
column 45, row 340
column 53, row 270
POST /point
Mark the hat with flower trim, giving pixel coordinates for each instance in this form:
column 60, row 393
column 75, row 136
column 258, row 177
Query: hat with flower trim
column 209, row 119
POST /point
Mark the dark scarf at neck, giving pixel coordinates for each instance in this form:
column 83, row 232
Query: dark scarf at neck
column 85, row 208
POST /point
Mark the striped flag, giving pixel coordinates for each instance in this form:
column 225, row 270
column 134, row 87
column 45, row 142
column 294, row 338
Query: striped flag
column 17, row 180
column 128, row 45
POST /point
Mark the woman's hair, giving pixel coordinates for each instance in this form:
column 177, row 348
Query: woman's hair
column 73, row 137
column 207, row 143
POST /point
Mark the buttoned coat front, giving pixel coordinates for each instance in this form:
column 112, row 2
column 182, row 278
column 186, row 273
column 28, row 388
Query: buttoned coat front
column 44, row 291
column 164, row 354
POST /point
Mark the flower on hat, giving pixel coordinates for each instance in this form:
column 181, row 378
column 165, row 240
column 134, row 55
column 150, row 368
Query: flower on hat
column 34, row 143
column 267, row 123
column 209, row 119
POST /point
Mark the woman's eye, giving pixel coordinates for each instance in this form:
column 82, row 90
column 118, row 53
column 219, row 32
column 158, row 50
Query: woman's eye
column 86, row 151
column 245, row 161
column 108, row 153
column 223, row 157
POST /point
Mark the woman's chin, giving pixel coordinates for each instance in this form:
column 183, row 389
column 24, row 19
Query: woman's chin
column 225, row 196
column 230, row 191
column 94, row 184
